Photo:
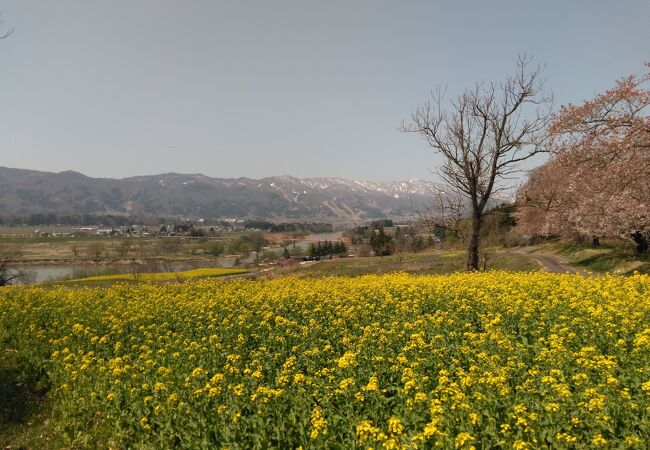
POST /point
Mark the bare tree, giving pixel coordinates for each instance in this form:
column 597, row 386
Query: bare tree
column 8, row 256
column 136, row 270
column 483, row 135
column 95, row 250
column 9, row 273
column 6, row 33
column 447, row 212
column 169, row 267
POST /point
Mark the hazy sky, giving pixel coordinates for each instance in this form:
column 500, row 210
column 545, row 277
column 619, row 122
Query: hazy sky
column 305, row 88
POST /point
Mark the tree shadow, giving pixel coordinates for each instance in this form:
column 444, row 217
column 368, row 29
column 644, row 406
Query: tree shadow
column 600, row 261
column 20, row 395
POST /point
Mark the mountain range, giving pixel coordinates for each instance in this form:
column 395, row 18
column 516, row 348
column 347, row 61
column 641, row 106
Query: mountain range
column 281, row 198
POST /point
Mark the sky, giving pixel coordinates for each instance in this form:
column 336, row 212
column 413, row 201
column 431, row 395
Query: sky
column 310, row 89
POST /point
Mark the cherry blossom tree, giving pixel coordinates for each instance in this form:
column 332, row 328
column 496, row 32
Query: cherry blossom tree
column 598, row 181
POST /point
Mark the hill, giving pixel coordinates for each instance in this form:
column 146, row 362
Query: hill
column 195, row 195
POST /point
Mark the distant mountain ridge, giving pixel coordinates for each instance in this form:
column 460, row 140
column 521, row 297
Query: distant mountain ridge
column 194, row 195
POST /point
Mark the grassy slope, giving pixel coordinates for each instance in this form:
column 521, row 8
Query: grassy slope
column 426, row 262
column 605, row 258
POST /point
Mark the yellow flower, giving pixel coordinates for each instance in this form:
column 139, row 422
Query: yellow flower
column 372, row 384
column 366, row 431
column 198, row 372
column 520, row 445
column 298, row 378
column 348, row 359
column 344, row 384
column 318, row 423
column 462, row 439
column 395, row 426
column 552, row 407
column 599, row 440
column 447, row 349
column 632, row 441
column 645, row 387
column 144, row 423
column 569, row 439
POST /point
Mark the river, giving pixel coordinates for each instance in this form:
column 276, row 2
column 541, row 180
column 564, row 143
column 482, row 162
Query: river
column 54, row 272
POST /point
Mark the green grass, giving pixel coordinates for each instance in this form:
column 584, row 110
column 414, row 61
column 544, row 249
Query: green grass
column 24, row 408
column 426, row 262
column 608, row 257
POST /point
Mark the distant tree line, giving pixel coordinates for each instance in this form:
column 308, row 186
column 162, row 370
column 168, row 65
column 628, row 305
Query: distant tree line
column 381, row 223
column 243, row 245
column 410, row 239
column 289, row 227
column 373, row 235
column 362, row 233
column 327, row 248
column 112, row 220
column 395, row 238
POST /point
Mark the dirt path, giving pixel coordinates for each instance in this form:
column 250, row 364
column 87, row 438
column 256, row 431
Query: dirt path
column 555, row 264
column 551, row 263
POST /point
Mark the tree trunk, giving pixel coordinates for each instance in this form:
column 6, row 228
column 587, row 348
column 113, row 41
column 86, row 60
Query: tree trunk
column 640, row 243
column 473, row 249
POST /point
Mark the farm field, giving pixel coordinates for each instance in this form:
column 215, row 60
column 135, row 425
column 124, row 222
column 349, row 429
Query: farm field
column 93, row 249
column 484, row 360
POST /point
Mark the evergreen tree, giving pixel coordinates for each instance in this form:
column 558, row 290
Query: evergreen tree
column 381, row 243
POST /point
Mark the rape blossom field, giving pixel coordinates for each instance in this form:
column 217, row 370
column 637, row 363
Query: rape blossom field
column 164, row 276
column 489, row 360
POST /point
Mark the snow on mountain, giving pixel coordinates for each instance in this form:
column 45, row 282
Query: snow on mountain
column 281, row 198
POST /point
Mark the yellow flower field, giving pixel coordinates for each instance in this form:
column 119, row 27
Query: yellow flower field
column 164, row 276
column 489, row 360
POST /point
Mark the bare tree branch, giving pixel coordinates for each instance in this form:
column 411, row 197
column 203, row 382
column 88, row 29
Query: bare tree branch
column 9, row 273
column 484, row 134
column 7, row 33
